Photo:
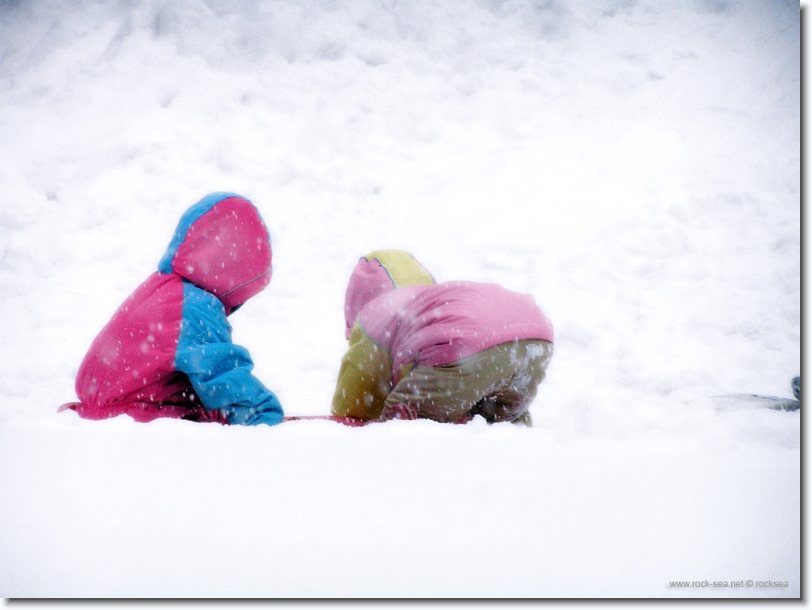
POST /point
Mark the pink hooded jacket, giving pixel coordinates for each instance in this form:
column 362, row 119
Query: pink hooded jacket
column 167, row 351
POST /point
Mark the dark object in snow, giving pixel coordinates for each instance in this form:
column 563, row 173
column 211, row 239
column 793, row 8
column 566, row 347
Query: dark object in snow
column 761, row 401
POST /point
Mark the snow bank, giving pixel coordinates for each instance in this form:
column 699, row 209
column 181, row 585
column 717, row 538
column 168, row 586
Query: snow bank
column 411, row 509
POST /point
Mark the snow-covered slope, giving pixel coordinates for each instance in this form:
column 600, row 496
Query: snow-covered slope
column 633, row 165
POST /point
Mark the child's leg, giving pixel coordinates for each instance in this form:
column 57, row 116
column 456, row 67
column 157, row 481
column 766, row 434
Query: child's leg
column 443, row 393
column 499, row 382
column 510, row 401
column 146, row 412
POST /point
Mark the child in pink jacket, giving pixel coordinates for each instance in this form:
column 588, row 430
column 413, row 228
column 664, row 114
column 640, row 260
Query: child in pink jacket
column 167, row 351
column 447, row 352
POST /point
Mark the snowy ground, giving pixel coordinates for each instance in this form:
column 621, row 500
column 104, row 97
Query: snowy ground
column 633, row 165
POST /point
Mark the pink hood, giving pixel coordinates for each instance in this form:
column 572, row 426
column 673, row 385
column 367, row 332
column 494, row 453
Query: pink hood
column 222, row 245
column 377, row 273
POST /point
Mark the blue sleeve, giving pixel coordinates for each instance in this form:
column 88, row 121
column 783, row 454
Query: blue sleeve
column 220, row 371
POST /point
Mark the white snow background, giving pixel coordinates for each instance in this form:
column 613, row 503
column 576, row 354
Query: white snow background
column 635, row 165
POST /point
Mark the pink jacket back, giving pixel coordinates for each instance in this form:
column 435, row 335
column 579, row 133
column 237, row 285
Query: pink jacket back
column 442, row 323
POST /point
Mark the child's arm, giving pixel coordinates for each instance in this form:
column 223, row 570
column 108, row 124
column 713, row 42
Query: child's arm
column 220, row 371
column 365, row 378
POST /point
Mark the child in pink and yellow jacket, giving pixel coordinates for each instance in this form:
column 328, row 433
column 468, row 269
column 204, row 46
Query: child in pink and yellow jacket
column 446, row 352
